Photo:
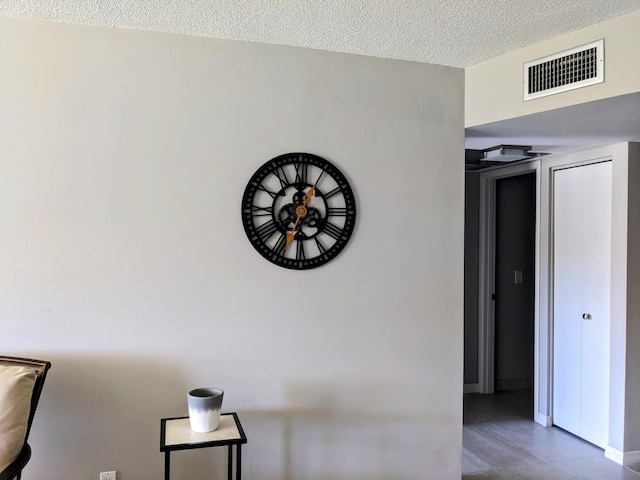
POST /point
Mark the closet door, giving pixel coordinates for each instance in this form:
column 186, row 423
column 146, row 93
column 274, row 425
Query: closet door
column 567, row 299
column 596, row 301
column 581, row 299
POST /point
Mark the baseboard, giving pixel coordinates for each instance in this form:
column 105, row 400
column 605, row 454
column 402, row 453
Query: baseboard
column 471, row 388
column 544, row 420
column 622, row 458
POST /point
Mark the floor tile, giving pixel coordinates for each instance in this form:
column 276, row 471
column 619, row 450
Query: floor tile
column 471, row 463
column 492, row 475
column 501, row 442
column 547, row 443
column 541, row 471
column 595, row 468
column 494, row 449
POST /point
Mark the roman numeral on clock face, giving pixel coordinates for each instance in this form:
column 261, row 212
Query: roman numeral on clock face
column 301, row 172
column 337, row 211
column 265, row 189
column 280, row 245
column 332, row 230
column 265, row 230
column 261, row 211
column 282, row 176
column 300, row 251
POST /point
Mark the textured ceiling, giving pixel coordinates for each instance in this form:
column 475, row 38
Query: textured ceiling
column 446, row 32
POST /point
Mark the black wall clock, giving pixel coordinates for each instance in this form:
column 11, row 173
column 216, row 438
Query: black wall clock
column 298, row 211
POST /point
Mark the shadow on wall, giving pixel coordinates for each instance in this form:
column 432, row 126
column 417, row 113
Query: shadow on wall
column 337, row 431
column 101, row 413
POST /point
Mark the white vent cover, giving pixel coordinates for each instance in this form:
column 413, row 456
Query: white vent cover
column 574, row 68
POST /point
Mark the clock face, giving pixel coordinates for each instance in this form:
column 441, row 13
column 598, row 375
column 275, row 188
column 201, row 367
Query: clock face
column 298, row 211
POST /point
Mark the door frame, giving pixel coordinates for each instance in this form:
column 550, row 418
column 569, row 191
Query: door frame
column 486, row 273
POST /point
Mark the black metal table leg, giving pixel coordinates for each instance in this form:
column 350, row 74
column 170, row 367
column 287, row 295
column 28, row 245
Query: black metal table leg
column 167, row 465
column 238, row 461
column 230, row 463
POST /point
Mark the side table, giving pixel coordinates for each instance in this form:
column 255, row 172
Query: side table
column 176, row 434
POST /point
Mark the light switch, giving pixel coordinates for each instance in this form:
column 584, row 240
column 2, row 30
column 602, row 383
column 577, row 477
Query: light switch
column 517, row 277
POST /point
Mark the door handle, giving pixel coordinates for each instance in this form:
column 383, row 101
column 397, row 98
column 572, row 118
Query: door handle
column 586, row 316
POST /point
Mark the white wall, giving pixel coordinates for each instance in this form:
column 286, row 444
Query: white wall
column 123, row 158
column 494, row 88
column 625, row 383
column 632, row 391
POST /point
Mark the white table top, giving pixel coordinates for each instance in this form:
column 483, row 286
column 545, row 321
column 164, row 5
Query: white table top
column 178, row 432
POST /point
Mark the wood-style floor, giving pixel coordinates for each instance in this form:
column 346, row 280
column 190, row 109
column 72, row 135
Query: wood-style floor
column 501, row 441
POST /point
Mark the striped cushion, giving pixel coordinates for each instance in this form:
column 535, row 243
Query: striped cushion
column 16, row 386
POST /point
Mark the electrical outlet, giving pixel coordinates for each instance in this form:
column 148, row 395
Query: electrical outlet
column 108, row 475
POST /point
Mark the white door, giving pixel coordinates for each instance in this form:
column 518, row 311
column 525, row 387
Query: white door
column 581, row 299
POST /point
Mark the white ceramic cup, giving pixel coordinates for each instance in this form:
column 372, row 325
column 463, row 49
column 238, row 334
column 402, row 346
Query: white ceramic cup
column 204, row 409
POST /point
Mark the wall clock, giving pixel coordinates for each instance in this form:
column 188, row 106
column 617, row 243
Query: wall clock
column 298, row 211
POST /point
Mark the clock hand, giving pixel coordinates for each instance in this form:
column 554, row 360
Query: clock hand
column 291, row 235
column 301, row 210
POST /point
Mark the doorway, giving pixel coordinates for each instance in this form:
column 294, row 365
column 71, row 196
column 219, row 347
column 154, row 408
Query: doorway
column 514, row 293
column 547, row 277
column 508, row 277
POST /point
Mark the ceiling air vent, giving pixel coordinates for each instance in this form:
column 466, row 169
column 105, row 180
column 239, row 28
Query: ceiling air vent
column 574, row 68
